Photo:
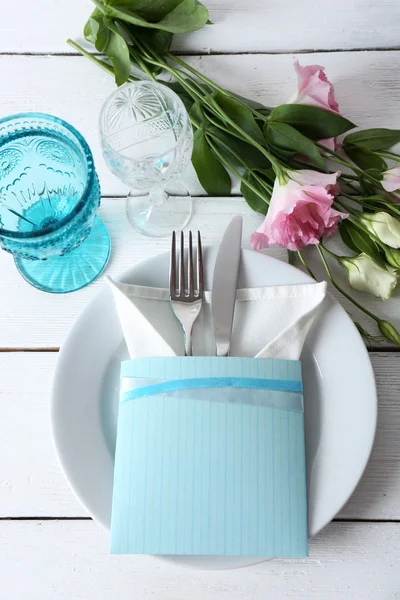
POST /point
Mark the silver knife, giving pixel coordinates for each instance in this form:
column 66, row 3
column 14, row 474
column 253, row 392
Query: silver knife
column 224, row 285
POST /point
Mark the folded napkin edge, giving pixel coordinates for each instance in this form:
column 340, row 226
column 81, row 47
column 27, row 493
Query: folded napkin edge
column 242, row 295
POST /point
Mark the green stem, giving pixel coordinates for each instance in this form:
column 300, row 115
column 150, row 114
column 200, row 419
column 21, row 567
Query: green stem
column 335, row 256
column 100, row 63
column 350, row 210
column 373, row 237
column 220, row 126
column 341, row 161
column 352, row 187
column 260, row 180
column 206, row 99
column 341, row 290
column 305, row 265
column 155, row 59
column 142, row 65
column 194, row 71
column 212, row 84
column 390, row 156
column 335, row 154
column 349, row 176
column 216, row 109
column 234, row 171
column 103, row 65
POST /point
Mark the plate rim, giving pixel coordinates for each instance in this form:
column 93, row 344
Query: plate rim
column 369, row 443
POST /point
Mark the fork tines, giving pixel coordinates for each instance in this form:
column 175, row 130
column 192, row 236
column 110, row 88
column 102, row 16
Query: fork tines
column 191, row 289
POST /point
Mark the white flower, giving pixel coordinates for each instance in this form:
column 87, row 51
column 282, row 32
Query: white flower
column 383, row 226
column 367, row 275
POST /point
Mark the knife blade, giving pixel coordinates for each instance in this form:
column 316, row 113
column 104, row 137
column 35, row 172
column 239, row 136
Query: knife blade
column 223, row 293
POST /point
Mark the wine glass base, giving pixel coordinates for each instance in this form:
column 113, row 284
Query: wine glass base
column 159, row 220
column 73, row 271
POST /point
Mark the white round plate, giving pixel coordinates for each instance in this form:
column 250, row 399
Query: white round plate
column 339, row 392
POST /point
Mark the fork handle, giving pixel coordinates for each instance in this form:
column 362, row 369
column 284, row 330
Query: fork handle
column 188, row 343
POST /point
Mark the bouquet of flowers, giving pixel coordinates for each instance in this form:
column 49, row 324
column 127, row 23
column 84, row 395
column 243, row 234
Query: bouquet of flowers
column 282, row 156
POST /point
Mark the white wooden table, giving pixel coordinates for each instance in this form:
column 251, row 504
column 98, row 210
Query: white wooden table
column 49, row 547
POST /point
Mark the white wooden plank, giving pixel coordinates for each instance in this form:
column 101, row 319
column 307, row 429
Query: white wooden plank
column 74, row 89
column 30, row 318
column 31, row 483
column 43, row 560
column 378, row 493
column 367, row 88
column 252, row 26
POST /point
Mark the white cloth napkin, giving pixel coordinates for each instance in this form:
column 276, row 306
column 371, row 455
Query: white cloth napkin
column 270, row 322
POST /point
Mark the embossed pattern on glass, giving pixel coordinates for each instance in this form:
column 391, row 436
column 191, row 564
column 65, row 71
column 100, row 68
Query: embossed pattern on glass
column 49, row 194
column 147, row 141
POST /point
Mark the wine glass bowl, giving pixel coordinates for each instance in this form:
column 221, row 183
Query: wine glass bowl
column 49, row 194
column 147, row 142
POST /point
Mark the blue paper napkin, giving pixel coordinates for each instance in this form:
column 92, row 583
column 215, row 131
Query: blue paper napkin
column 210, row 458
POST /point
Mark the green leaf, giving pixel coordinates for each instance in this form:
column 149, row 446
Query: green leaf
column 367, row 188
column 374, row 202
column 264, row 111
column 152, row 11
column 286, row 137
column 252, row 104
column 246, row 152
column 374, row 139
column 346, row 237
column 188, row 15
column 241, row 115
column 157, row 39
column 197, row 115
column 96, row 31
column 268, row 174
column 360, row 240
column 253, row 200
column 364, row 158
column 180, row 90
column 116, row 49
column 375, row 173
column 315, row 123
column 211, row 173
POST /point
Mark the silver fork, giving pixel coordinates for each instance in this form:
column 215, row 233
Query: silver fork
column 186, row 301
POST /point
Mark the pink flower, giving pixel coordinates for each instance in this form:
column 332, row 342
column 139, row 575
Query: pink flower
column 391, row 180
column 315, row 89
column 300, row 212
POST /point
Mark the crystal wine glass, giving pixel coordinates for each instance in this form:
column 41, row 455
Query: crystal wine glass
column 49, row 194
column 147, row 142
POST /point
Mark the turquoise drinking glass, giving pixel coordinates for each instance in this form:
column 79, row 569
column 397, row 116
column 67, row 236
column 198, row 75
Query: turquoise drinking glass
column 49, row 194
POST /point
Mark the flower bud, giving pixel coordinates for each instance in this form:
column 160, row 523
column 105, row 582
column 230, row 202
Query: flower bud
column 393, row 257
column 367, row 275
column 385, row 227
column 389, row 331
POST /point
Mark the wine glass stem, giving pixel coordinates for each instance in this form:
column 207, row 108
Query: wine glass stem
column 157, row 197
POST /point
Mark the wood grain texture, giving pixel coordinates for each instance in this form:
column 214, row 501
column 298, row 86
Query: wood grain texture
column 31, row 483
column 72, row 88
column 44, row 560
column 256, row 26
column 367, row 89
column 30, row 318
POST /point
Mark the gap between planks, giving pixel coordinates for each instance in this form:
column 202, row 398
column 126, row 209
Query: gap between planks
column 55, row 349
column 47, row 518
column 183, row 53
column 370, row 349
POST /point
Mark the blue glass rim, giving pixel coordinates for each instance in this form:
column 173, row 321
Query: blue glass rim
column 86, row 192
